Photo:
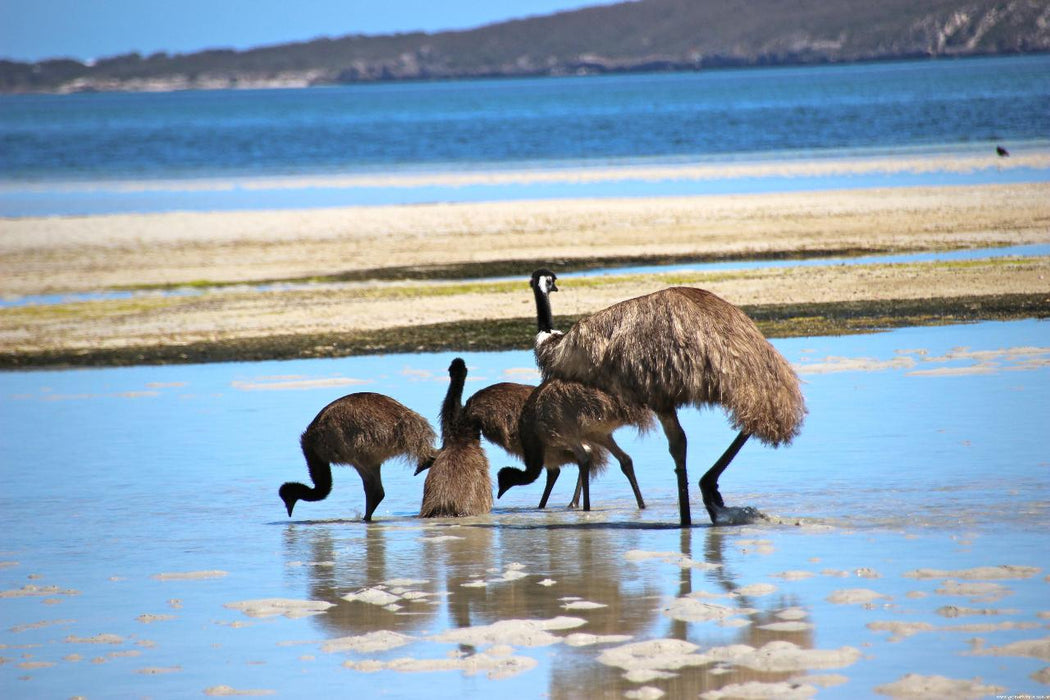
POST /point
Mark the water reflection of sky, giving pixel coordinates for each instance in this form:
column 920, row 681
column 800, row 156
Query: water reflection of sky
column 946, row 165
column 923, row 449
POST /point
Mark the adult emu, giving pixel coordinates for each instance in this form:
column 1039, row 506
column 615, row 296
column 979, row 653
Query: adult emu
column 677, row 347
column 458, row 483
column 361, row 430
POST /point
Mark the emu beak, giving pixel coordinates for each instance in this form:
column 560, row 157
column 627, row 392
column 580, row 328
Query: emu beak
column 423, row 466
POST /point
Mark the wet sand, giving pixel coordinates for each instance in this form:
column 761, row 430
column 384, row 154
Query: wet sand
column 343, row 265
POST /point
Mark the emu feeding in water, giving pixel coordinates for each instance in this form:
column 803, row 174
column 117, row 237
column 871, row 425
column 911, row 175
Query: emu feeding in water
column 677, row 347
column 363, row 431
column 458, row 482
column 565, row 422
column 564, row 419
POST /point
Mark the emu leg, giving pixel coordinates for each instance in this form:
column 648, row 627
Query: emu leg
column 709, row 481
column 374, row 493
column 584, row 459
column 676, row 445
column 627, row 467
column 552, row 476
column 585, row 481
column 575, row 502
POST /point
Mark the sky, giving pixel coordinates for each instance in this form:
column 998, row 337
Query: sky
column 31, row 30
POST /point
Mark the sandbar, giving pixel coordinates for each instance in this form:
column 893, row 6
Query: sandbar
column 325, row 282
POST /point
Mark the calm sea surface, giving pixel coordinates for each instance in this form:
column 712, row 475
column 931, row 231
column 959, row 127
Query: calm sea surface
column 49, row 141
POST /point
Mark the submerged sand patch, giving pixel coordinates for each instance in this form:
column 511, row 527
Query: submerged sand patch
column 225, row 690
column 380, row 640
column 975, row 591
column 40, row 625
column 914, row 685
column 495, row 666
column 522, row 633
column 189, row 575
column 662, row 655
column 757, row 690
column 855, row 596
column 290, row 608
column 32, row 590
column 693, row 610
column 979, row 573
column 1032, row 648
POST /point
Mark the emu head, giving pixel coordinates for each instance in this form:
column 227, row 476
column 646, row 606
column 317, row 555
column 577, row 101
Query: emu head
column 543, row 280
column 458, row 368
column 289, row 498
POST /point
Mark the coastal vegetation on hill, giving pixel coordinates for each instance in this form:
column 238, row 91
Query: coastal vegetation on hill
column 646, row 35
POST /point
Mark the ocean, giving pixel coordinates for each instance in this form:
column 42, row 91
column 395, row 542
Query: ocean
column 97, row 153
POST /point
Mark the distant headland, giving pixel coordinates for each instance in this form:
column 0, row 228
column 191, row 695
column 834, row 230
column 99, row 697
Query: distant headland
column 646, row 35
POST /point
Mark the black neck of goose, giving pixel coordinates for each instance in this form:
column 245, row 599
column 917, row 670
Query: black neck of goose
column 453, row 404
column 544, row 321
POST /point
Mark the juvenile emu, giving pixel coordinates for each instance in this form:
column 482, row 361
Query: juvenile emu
column 555, row 412
column 677, row 347
column 458, row 481
column 566, row 422
column 361, row 430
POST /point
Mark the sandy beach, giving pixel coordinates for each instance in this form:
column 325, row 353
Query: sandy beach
column 338, row 271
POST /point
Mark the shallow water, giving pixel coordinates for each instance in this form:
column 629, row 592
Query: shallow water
column 85, row 154
column 246, row 194
column 138, row 504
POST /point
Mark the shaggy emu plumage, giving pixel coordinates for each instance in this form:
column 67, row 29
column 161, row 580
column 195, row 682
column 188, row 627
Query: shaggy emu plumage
column 363, row 431
column 497, row 411
column 568, row 422
column 458, row 482
column 677, row 347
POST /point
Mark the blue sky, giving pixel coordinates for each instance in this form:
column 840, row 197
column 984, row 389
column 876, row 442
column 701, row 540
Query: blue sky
column 31, row 30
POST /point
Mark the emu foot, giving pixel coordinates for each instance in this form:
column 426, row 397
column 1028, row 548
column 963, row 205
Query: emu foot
column 735, row 515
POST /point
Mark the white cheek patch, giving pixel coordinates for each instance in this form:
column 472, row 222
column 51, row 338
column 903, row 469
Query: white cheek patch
column 545, row 284
column 543, row 336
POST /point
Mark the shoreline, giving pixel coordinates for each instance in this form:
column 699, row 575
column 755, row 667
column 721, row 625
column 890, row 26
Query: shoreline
column 775, row 321
column 332, row 283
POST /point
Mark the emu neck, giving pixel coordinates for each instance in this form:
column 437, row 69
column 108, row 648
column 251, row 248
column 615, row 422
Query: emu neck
column 452, row 406
column 544, row 321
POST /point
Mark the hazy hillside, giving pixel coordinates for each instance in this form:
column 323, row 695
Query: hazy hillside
column 630, row 36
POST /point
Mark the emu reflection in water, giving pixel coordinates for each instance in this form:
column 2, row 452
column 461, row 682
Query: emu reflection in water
column 479, row 572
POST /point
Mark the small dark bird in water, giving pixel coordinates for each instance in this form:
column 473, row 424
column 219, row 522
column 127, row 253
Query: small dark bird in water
column 1003, row 153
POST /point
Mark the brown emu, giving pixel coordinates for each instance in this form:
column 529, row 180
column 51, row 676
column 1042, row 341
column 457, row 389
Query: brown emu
column 566, row 422
column 677, row 347
column 361, row 430
column 496, row 409
column 458, row 481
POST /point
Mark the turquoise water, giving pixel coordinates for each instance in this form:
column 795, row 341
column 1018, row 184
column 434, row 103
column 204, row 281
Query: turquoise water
column 76, row 154
column 147, row 497
column 592, row 120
